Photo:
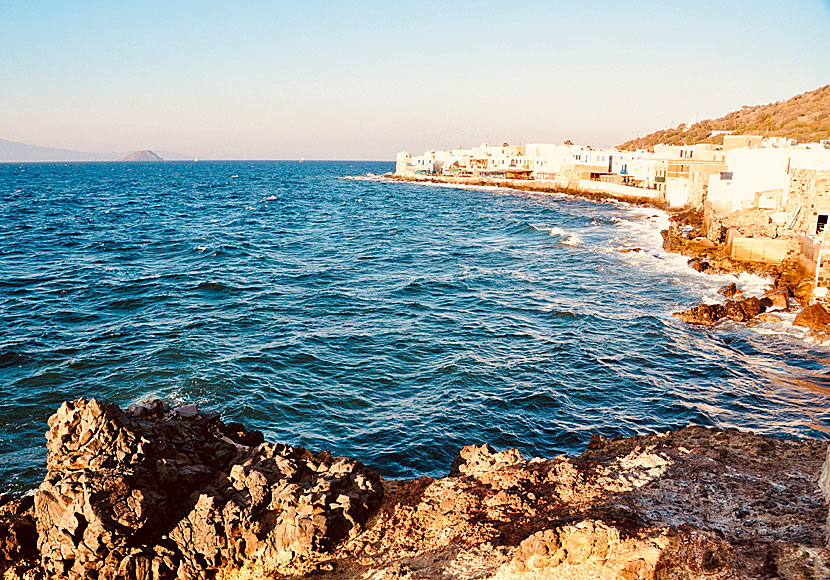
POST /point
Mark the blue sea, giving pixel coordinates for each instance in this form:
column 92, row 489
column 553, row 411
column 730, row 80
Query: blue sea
column 386, row 321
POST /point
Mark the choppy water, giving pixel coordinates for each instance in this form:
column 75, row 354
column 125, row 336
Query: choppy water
column 385, row 321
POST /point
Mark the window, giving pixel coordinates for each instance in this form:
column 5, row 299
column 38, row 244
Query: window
column 821, row 222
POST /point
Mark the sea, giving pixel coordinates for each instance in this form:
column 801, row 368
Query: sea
column 331, row 307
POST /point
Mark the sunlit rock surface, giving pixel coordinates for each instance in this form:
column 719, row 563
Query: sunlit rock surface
column 155, row 492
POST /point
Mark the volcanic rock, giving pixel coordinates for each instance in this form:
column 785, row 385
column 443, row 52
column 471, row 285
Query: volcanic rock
column 154, row 493
column 148, row 493
column 706, row 314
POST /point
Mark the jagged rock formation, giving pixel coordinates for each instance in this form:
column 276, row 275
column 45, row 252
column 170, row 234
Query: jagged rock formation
column 804, row 117
column 145, row 155
column 154, row 492
column 158, row 493
column 736, row 310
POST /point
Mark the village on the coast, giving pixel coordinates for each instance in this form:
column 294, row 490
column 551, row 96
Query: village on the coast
column 767, row 199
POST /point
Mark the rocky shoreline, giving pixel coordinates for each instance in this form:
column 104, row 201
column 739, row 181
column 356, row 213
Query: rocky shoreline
column 155, row 492
column 685, row 236
column 788, row 291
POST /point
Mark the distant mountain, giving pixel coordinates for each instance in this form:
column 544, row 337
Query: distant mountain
column 145, row 155
column 805, row 117
column 12, row 151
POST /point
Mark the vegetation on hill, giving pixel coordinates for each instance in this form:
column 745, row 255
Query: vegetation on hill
column 805, row 117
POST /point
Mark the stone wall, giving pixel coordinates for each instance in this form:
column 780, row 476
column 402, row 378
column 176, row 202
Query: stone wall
column 617, row 190
column 810, row 189
column 764, row 250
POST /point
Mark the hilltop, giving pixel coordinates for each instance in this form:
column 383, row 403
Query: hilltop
column 145, row 155
column 805, row 117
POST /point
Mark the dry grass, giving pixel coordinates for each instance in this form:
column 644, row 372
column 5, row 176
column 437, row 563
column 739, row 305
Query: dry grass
column 805, row 117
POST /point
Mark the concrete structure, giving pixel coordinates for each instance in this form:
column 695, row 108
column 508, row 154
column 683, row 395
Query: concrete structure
column 741, row 142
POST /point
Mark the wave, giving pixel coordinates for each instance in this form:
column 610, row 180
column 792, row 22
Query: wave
column 569, row 238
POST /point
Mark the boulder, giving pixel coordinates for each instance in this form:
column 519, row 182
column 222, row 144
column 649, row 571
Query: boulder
column 705, row 314
column 764, row 317
column 803, row 291
column 159, row 493
column 779, row 298
column 730, row 290
column 733, row 311
column 815, row 317
column 698, row 265
column 752, row 307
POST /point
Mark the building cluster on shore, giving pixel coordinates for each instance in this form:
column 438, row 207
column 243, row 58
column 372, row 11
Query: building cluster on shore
column 768, row 199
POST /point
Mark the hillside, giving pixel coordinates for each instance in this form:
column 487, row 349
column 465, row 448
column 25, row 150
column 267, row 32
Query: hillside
column 805, row 117
column 13, row 151
column 145, row 155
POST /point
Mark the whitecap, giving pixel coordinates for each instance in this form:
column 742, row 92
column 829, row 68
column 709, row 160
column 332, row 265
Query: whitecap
column 571, row 238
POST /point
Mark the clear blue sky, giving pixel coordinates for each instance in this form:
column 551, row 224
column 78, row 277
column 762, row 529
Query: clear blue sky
column 362, row 80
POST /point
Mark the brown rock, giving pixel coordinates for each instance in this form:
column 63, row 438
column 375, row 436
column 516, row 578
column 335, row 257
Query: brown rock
column 752, row 307
column 18, row 536
column 815, row 317
column 154, row 493
column 764, row 317
column 705, row 314
column 627, row 250
column 698, row 265
column 733, row 311
column 730, row 290
column 803, row 291
column 778, row 298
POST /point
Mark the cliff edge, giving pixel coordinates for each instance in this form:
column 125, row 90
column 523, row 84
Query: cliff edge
column 155, row 492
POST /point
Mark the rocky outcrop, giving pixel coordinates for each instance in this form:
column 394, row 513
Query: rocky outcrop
column 815, row 317
column 705, row 314
column 710, row 314
column 18, row 536
column 154, row 492
column 158, row 493
column 730, row 290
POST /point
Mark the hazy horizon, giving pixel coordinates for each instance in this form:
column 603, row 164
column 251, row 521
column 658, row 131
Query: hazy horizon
column 332, row 82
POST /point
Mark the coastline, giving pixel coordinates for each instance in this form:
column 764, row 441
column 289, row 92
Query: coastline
column 157, row 493
column 684, row 236
column 531, row 186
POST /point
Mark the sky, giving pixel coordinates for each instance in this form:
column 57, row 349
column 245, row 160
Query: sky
column 363, row 80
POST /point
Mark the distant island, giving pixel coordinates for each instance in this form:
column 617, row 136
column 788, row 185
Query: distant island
column 16, row 152
column 805, row 118
column 145, row 155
